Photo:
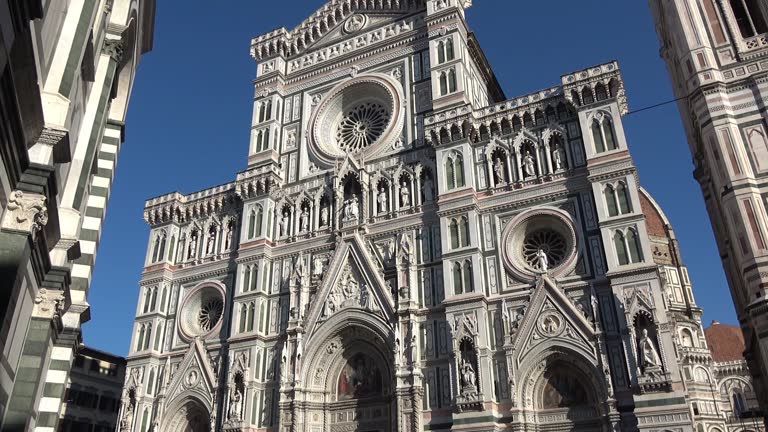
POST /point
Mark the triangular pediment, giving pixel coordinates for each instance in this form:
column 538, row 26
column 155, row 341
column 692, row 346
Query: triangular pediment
column 553, row 319
column 352, row 281
column 194, row 374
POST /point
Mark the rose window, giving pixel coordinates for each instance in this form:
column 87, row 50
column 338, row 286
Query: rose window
column 210, row 314
column 552, row 243
column 201, row 312
column 361, row 126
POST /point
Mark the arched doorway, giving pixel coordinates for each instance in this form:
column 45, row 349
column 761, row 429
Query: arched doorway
column 191, row 416
column 349, row 374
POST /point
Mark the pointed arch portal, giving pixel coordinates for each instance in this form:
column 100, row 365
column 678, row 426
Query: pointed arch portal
column 192, row 416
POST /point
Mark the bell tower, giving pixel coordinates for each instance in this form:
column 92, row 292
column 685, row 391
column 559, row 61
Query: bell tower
column 716, row 51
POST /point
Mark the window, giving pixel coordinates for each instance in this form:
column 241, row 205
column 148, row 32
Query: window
column 634, row 246
column 454, row 171
column 459, row 232
column 625, row 202
column 686, row 338
column 714, row 22
column 603, row 134
column 628, row 247
column 464, row 231
column 441, row 52
column 151, row 383
column 621, row 248
column 739, row 404
column 454, row 229
column 462, row 277
column 158, row 251
column 443, row 84
column 252, row 224
column 457, row 279
column 610, row 200
column 749, row 17
column 163, row 298
column 247, row 279
column 751, row 217
column 153, row 307
column 159, row 339
column 452, row 81
column 449, row 52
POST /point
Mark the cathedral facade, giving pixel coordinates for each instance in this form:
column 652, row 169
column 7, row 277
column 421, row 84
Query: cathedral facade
column 409, row 249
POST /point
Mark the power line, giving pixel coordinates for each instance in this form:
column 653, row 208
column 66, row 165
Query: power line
column 656, row 105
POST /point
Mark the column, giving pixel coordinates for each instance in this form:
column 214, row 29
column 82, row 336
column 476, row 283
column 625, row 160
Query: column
column 548, row 152
column 417, row 200
column 519, row 167
column 489, row 170
column 510, row 177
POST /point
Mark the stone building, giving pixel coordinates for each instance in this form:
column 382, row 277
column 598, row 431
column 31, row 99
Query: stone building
column 716, row 53
column 92, row 399
column 409, row 249
column 66, row 72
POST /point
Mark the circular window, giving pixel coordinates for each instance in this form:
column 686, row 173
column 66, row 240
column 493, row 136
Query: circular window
column 201, row 311
column 539, row 241
column 547, row 241
column 361, row 127
column 363, row 114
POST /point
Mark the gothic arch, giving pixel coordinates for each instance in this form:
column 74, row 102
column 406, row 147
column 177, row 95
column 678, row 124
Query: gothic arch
column 188, row 414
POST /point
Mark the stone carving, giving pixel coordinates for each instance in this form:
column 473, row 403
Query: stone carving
column 236, row 406
column 192, row 245
column 355, row 23
column 405, row 195
column 382, row 200
column 558, row 157
column 498, row 169
column 649, row 357
column 211, row 247
column 285, row 224
column 324, row 217
column 318, row 266
column 543, row 260
column 551, row 325
column 49, row 303
column 25, row 212
column 349, row 293
column 468, row 379
column 126, row 422
column 529, row 163
column 351, row 209
column 304, row 220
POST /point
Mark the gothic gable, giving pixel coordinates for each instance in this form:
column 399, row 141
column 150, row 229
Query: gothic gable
column 553, row 319
column 352, row 281
column 194, row 374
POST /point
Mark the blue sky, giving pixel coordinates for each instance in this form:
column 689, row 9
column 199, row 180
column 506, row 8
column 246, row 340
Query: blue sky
column 189, row 120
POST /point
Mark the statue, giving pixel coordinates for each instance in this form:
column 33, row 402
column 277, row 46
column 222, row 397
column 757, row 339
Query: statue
column 498, row 168
column 648, row 355
column 558, row 157
column 126, row 422
column 324, row 216
column 318, row 266
column 285, row 224
column 351, row 209
column 429, row 192
column 382, row 199
column 543, row 260
column 230, row 232
column 211, row 241
column 530, row 165
column 236, row 406
column 468, row 378
column 304, row 220
column 192, row 245
column 505, row 316
column 405, row 195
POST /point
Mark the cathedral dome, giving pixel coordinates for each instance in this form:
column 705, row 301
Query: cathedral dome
column 361, row 115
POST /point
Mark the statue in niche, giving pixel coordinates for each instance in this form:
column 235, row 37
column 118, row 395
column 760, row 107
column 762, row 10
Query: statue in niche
column 405, row 195
column 192, row 245
column 352, row 209
column 210, row 249
column 285, row 224
column 648, row 355
column 429, row 192
column 529, row 164
column 126, row 422
column 505, row 318
column 543, row 260
column 382, row 199
column 324, row 216
column 230, row 233
column 304, row 220
column 558, row 157
column 498, row 169
column 468, row 377
column 318, row 266
column 236, row 406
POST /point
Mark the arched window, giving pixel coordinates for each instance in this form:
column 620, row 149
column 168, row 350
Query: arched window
column 749, row 17
column 600, row 92
column 633, row 244
column 468, row 277
column 151, row 383
column 452, row 81
column 147, row 299
column 172, row 249
column 739, row 403
column 625, row 203
column 449, row 52
column 259, row 220
column 443, row 84
column 262, row 319
column 441, row 52
column 610, row 201
column 262, row 112
column 254, row 277
column 163, row 298
column 621, row 248
column 161, row 254
column 610, row 138
column 140, row 340
column 454, row 230
column 145, row 421
column 458, row 169
column 243, row 317
column 597, row 136
column 158, row 338
column 268, row 114
column 587, row 96
column 266, row 144
column 156, row 249
column 251, row 224
column 686, row 338
column 464, row 234
column 457, row 279
column 153, row 307
column 517, row 125
column 454, row 171
column 527, row 120
column 148, row 337
column 246, row 278
column 251, row 317
column 449, row 174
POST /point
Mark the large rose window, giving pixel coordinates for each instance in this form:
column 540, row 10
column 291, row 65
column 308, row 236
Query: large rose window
column 540, row 241
column 361, row 115
column 361, row 126
column 201, row 312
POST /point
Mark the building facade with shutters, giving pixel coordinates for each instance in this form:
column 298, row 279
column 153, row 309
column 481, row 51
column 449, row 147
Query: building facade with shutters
column 716, row 53
column 410, row 249
column 66, row 73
